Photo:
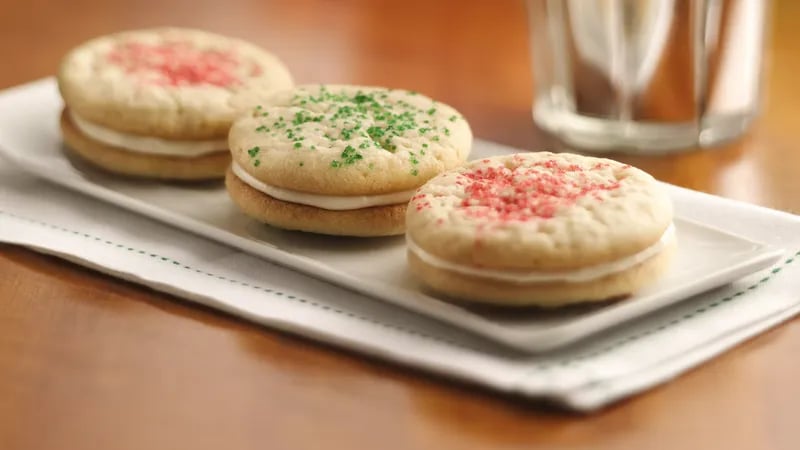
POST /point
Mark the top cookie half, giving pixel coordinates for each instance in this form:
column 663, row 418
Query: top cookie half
column 348, row 140
column 539, row 211
column 172, row 83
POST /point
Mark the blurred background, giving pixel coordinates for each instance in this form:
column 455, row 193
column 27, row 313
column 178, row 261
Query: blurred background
column 472, row 54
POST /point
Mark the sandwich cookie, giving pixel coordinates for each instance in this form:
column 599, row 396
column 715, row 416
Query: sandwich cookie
column 540, row 229
column 156, row 103
column 341, row 160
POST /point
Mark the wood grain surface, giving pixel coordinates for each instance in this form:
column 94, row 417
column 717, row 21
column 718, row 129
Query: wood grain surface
column 87, row 361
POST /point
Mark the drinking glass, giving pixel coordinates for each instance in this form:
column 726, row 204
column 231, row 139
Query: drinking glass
column 647, row 76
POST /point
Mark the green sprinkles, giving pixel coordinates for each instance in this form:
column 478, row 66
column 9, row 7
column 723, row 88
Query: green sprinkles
column 257, row 162
column 375, row 132
column 350, row 155
column 367, row 121
column 253, row 151
column 302, row 117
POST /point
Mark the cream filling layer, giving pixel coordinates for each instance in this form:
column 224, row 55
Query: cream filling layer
column 331, row 202
column 583, row 274
column 148, row 144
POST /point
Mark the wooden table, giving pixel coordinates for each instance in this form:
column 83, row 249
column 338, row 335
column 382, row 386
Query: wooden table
column 87, row 361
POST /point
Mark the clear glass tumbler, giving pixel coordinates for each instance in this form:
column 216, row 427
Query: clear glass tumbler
column 647, row 76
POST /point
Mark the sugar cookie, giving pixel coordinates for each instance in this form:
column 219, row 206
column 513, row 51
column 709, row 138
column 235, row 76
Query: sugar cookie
column 157, row 103
column 342, row 160
column 540, row 229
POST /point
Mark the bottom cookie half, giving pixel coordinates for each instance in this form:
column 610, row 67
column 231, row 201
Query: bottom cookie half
column 547, row 295
column 124, row 162
column 365, row 222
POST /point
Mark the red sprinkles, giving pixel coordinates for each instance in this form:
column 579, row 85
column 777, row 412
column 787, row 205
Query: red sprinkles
column 420, row 202
column 178, row 64
column 533, row 192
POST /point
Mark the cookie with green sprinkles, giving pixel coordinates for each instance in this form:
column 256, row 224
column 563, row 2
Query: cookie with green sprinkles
column 340, row 159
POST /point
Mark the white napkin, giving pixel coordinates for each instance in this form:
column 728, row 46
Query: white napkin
column 629, row 359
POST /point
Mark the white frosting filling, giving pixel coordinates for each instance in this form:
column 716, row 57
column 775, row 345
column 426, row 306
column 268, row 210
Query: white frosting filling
column 583, row 274
column 332, row 202
column 148, row 144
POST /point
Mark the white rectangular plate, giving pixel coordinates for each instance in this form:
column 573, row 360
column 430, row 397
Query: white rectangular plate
column 706, row 257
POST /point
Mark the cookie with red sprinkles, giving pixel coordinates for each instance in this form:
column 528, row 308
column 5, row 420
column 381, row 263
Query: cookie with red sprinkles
column 540, row 229
column 157, row 102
